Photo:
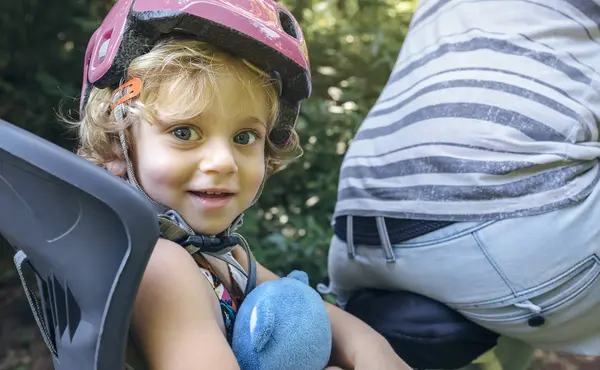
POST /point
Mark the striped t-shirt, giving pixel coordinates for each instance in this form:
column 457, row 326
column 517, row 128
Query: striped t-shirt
column 491, row 111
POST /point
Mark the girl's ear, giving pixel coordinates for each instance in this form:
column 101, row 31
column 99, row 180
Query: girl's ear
column 117, row 167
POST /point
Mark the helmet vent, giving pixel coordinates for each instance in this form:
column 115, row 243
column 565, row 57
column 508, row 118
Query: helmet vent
column 103, row 50
column 288, row 24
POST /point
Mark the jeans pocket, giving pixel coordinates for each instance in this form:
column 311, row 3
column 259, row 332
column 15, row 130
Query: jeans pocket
column 548, row 299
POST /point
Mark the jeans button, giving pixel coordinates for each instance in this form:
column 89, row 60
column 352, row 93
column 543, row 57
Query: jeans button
column 536, row 321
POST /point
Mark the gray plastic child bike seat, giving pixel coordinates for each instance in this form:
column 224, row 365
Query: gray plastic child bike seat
column 87, row 235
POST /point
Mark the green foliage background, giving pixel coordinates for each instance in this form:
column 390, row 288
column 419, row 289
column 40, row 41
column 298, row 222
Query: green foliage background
column 352, row 44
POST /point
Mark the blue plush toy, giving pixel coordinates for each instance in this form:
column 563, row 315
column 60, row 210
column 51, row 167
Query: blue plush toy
column 282, row 324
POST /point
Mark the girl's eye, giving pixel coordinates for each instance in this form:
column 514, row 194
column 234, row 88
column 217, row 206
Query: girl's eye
column 185, row 133
column 245, row 138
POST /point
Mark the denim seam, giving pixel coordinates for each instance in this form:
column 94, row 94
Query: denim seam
column 542, row 285
column 493, row 263
column 444, row 239
column 565, row 275
column 547, row 310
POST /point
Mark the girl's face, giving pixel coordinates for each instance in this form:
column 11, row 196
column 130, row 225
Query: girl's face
column 210, row 168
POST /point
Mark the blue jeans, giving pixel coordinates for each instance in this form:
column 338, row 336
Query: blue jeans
column 534, row 280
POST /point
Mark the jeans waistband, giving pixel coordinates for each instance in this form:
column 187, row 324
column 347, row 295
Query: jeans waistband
column 381, row 231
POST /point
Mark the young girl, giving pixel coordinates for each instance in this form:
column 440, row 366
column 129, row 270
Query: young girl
column 197, row 127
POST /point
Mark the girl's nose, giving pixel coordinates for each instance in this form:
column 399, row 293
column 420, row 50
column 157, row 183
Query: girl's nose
column 218, row 157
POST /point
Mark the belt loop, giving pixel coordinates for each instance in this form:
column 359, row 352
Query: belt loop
column 350, row 238
column 385, row 240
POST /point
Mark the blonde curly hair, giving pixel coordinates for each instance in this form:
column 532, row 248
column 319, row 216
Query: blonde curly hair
column 190, row 70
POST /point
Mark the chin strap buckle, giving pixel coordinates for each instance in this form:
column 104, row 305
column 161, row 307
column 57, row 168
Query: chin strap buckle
column 208, row 244
column 174, row 228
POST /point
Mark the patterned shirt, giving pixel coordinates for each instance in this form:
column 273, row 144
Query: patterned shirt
column 491, row 111
column 230, row 301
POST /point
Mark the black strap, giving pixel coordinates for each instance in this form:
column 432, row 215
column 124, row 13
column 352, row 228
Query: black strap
column 364, row 229
column 208, row 244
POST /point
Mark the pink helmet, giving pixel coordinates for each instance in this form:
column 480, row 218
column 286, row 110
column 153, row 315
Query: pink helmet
column 261, row 31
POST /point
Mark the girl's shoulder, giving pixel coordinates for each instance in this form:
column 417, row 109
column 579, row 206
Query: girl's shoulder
column 175, row 304
column 172, row 269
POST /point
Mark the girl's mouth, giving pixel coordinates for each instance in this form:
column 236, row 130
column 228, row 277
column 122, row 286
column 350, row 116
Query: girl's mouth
column 210, row 200
column 212, row 194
